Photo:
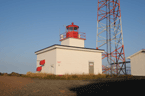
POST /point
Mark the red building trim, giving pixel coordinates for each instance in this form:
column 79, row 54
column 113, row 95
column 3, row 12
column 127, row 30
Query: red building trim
column 39, row 68
column 42, row 62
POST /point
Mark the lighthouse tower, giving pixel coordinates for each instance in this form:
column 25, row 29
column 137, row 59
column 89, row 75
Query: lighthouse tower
column 72, row 36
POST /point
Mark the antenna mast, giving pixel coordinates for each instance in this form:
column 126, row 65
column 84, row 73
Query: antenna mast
column 109, row 33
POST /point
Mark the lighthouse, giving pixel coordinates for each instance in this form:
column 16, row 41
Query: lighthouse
column 72, row 36
column 69, row 57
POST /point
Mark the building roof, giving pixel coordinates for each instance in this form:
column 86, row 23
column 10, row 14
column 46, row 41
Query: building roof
column 141, row 51
column 68, row 47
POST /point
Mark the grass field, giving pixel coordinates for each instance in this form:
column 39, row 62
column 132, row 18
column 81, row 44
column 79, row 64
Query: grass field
column 66, row 76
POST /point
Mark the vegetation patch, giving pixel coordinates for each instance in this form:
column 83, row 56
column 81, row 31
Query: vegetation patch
column 66, row 76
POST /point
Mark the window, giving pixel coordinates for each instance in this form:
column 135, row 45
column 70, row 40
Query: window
column 70, row 28
column 75, row 28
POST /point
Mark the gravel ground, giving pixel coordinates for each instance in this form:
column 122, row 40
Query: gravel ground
column 50, row 88
column 44, row 87
column 20, row 86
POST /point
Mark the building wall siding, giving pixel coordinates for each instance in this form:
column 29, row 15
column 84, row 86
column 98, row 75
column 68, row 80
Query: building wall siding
column 73, row 42
column 77, row 62
column 50, row 58
column 138, row 64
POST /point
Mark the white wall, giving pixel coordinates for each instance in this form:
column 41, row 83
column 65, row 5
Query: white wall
column 73, row 61
column 138, row 65
column 73, row 42
column 50, row 58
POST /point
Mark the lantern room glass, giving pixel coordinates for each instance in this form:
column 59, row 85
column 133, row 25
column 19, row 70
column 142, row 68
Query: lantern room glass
column 75, row 29
column 72, row 29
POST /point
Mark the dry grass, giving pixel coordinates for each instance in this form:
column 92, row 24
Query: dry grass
column 71, row 76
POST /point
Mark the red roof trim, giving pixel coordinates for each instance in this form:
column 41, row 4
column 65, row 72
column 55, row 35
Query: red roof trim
column 72, row 25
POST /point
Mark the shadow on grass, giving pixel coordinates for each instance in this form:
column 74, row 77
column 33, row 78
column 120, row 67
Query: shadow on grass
column 118, row 86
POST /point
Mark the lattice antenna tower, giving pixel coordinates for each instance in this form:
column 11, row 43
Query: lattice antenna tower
column 109, row 33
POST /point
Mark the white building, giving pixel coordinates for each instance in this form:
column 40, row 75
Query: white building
column 137, row 62
column 71, row 57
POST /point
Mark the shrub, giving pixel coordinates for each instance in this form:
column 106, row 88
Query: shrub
column 69, row 76
column 28, row 73
column 1, row 73
column 15, row 74
column 5, row 74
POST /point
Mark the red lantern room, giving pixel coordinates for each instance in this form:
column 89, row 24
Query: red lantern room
column 72, row 31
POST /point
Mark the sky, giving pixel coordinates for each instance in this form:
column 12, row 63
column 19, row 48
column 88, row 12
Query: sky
column 27, row 26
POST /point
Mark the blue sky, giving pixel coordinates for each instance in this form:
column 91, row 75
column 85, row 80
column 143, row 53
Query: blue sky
column 27, row 26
